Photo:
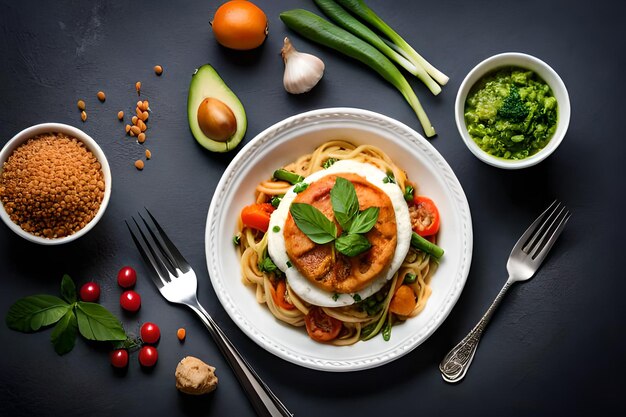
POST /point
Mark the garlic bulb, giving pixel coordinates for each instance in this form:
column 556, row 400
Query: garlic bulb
column 302, row 71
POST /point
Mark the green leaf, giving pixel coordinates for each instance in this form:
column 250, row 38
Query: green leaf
column 31, row 313
column 345, row 203
column 97, row 323
column 313, row 223
column 387, row 329
column 352, row 244
column 68, row 289
column 365, row 220
column 64, row 333
column 267, row 265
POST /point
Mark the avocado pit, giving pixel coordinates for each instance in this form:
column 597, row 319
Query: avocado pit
column 216, row 120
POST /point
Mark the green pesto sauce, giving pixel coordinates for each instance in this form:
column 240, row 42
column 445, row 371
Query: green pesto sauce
column 511, row 113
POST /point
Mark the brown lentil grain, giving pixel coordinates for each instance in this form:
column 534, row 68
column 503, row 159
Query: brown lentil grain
column 101, row 96
column 81, row 105
column 139, row 164
column 141, row 138
column 138, row 87
column 148, row 154
column 127, row 128
column 83, row 116
column 158, row 70
column 120, row 115
column 135, row 129
column 52, row 186
column 145, row 105
column 144, row 116
column 134, row 119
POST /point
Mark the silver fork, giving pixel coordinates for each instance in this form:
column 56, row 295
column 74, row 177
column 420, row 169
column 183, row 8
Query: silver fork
column 526, row 257
column 177, row 282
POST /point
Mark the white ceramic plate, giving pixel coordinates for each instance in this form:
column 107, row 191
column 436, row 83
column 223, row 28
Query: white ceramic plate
column 282, row 143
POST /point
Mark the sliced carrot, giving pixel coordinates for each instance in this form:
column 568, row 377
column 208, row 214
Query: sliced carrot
column 257, row 216
column 279, row 295
column 403, row 301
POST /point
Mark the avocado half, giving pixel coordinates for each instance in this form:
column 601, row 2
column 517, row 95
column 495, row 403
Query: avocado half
column 206, row 83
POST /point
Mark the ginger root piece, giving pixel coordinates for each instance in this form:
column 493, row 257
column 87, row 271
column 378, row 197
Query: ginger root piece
column 195, row 377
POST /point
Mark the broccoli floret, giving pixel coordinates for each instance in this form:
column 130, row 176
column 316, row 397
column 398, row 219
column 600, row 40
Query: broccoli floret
column 513, row 107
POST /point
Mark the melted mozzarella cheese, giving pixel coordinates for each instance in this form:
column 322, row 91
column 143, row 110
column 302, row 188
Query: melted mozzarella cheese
column 299, row 283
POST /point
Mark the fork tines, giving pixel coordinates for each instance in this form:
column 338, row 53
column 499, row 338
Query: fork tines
column 543, row 232
column 157, row 250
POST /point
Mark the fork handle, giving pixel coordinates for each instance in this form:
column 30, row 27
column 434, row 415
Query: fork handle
column 455, row 364
column 264, row 401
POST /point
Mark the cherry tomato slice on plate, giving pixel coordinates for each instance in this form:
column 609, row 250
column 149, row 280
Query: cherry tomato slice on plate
column 130, row 300
column 148, row 356
column 424, row 216
column 90, row 292
column 150, row 332
column 320, row 326
column 119, row 358
column 127, row 277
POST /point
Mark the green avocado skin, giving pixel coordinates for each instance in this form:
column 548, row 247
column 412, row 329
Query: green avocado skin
column 206, row 82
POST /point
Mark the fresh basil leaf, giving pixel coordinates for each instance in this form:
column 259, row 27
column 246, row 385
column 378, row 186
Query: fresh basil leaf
column 345, row 203
column 64, row 333
column 97, row 323
column 313, row 223
column 68, row 289
column 352, row 244
column 29, row 314
column 365, row 220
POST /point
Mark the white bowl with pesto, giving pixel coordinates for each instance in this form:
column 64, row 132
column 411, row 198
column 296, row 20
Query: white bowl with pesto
column 90, row 144
column 547, row 74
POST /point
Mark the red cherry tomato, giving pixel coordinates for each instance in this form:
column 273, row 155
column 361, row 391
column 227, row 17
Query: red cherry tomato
column 130, row 300
column 119, row 358
column 320, row 326
column 148, row 356
column 90, row 292
column 150, row 333
column 424, row 216
column 127, row 277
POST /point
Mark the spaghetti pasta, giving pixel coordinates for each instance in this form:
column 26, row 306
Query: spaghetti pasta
column 361, row 320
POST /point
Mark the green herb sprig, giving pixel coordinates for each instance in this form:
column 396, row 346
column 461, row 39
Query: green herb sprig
column 91, row 320
column 355, row 223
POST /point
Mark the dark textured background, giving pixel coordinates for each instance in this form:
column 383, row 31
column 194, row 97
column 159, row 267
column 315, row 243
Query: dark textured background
column 556, row 345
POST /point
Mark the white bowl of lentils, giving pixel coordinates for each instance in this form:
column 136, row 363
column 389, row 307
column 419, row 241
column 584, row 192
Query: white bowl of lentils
column 55, row 183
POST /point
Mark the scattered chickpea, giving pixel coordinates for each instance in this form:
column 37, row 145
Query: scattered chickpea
column 131, row 133
column 142, row 126
column 138, row 87
column 81, row 105
column 135, row 129
column 134, row 119
column 101, row 96
column 144, row 116
column 144, row 105
column 158, row 70
column 181, row 333
column 148, row 154
column 141, row 138
column 139, row 164
column 83, row 116
column 127, row 128
column 120, row 115
column 138, row 111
